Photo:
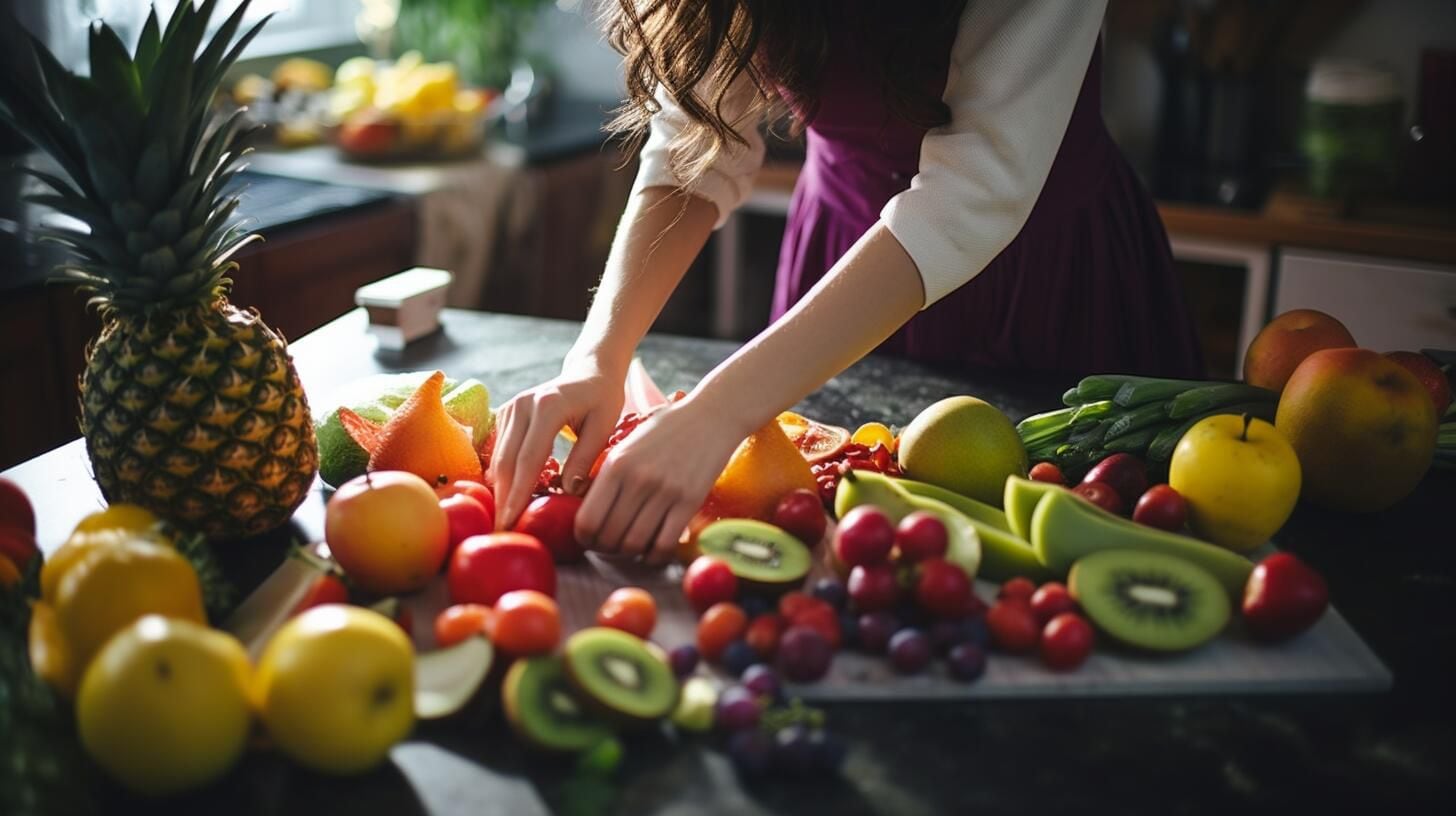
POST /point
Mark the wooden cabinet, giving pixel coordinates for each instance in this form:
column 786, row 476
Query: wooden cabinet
column 299, row 279
column 1387, row 304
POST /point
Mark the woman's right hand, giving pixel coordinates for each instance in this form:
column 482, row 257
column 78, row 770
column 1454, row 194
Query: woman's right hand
column 587, row 397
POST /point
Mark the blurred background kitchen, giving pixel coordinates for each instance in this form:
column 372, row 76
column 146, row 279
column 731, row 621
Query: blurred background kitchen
column 1303, row 153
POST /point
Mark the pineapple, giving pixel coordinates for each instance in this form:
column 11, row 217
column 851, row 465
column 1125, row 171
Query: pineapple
column 190, row 406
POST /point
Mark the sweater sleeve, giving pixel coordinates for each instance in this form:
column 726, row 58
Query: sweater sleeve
column 1016, row 70
column 728, row 181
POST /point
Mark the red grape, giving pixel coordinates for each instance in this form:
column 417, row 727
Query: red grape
column 1161, row 507
column 921, row 535
column 1051, row 600
column 1013, row 626
column 1066, row 641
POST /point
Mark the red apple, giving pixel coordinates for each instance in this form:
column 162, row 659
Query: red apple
column 1101, row 495
column 15, row 508
column 1122, row 472
column 942, row 588
column 864, row 536
column 1161, row 507
column 1363, row 427
column 466, row 517
column 1430, row 375
column 1282, row 345
column 486, row 567
column 1283, row 598
column 474, row 490
column 921, row 536
column 552, row 519
column 873, row 587
column 387, row 531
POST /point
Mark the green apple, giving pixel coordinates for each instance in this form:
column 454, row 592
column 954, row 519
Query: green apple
column 1240, row 478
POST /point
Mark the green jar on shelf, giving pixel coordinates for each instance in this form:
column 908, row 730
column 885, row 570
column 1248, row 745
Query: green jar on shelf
column 1352, row 122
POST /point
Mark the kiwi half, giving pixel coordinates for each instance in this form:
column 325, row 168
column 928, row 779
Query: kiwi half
column 1150, row 600
column 763, row 557
column 544, row 711
column 620, row 675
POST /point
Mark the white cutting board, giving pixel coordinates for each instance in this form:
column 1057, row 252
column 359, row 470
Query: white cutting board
column 1328, row 658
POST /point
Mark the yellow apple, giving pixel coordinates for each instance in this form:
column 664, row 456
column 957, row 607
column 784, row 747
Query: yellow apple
column 387, row 531
column 1240, row 478
column 335, row 688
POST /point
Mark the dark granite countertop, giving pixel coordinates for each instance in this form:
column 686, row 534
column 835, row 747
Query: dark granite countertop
column 1391, row 575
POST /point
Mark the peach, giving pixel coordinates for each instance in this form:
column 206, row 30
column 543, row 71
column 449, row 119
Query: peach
column 1363, row 427
column 1282, row 345
column 1430, row 375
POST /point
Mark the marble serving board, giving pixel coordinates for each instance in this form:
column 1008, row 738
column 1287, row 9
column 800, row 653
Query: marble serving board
column 1328, row 658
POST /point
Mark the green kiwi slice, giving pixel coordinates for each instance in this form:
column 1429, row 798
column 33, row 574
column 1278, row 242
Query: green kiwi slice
column 1150, row 600
column 544, row 711
column 620, row 675
column 761, row 555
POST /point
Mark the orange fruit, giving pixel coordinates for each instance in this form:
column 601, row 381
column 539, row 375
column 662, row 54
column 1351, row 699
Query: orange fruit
column 526, row 622
column 816, row 441
column 630, row 609
column 423, row 439
column 765, row 467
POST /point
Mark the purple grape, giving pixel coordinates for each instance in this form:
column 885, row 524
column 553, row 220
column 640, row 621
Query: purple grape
column 751, row 751
column 761, row 679
column 848, row 629
column 793, row 752
column 910, row 651
column 738, row 656
column 966, row 661
column 684, row 659
column 977, row 632
column 804, row 655
column 832, row 591
column 755, row 605
column 737, row 709
column 875, row 630
column 829, row 750
column 944, row 634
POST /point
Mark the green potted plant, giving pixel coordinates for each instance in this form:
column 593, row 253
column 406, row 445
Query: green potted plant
column 482, row 37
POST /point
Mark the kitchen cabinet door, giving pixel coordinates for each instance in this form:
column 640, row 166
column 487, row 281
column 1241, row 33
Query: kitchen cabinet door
column 1387, row 304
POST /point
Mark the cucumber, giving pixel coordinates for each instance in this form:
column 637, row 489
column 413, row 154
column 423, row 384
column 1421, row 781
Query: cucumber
column 1134, row 393
column 1091, row 412
column 1198, row 401
column 1105, row 386
column 1135, row 420
column 1065, row 528
column 1134, row 442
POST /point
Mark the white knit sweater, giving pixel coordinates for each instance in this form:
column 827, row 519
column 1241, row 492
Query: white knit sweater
column 1016, row 70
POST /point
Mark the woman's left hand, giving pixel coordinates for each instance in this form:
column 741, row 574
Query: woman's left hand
column 653, row 482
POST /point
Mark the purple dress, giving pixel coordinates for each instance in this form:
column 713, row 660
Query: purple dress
column 1087, row 286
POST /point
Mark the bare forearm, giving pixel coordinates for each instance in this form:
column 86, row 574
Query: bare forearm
column 872, row 291
column 661, row 232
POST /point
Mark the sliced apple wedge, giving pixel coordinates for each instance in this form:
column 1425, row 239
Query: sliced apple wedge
column 447, row 679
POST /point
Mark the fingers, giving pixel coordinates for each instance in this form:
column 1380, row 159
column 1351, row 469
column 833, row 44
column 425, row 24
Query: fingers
column 664, row 546
column 503, row 458
column 594, row 510
column 534, row 440
column 642, row 531
column 592, row 437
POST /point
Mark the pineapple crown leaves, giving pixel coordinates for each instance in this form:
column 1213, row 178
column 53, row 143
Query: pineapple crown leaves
column 145, row 162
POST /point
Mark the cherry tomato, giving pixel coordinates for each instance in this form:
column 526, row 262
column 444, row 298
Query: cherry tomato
column 800, row 513
column 458, row 622
column 630, row 609
column 325, row 589
column 1013, row 627
column 1161, row 507
column 1047, row 472
column 708, row 581
column 1101, row 495
column 792, row 603
column 526, row 622
column 467, row 517
column 1017, row 588
column 722, row 624
column 764, row 632
column 1051, row 600
column 474, row 490
column 1066, row 641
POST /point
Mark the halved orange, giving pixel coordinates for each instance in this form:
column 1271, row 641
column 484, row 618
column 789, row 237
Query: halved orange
column 816, row 441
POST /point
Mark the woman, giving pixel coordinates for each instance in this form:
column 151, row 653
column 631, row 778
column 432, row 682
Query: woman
column 957, row 167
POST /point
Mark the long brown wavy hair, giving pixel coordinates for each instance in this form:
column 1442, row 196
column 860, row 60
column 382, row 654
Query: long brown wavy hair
column 694, row 50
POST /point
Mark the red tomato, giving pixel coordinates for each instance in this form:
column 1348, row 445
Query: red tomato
column 467, row 517
column 630, row 609
column 1013, row 627
column 1101, row 495
column 764, row 632
column 474, row 490
column 1161, row 507
column 708, row 581
column 1066, row 641
column 325, row 589
column 942, row 588
column 458, row 622
column 486, row 567
column 552, row 519
column 722, row 624
column 1051, row 600
column 1047, row 472
column 526, row 622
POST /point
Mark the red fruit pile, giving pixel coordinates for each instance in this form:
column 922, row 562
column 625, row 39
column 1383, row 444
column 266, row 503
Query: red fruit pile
column 854, row 457
column 1027, row 618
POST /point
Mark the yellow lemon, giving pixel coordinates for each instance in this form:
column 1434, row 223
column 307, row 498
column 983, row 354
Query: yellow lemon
column 335, row 688
column 872, row 433
column 111, row 586
column 119, row 516
column 164, row 706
